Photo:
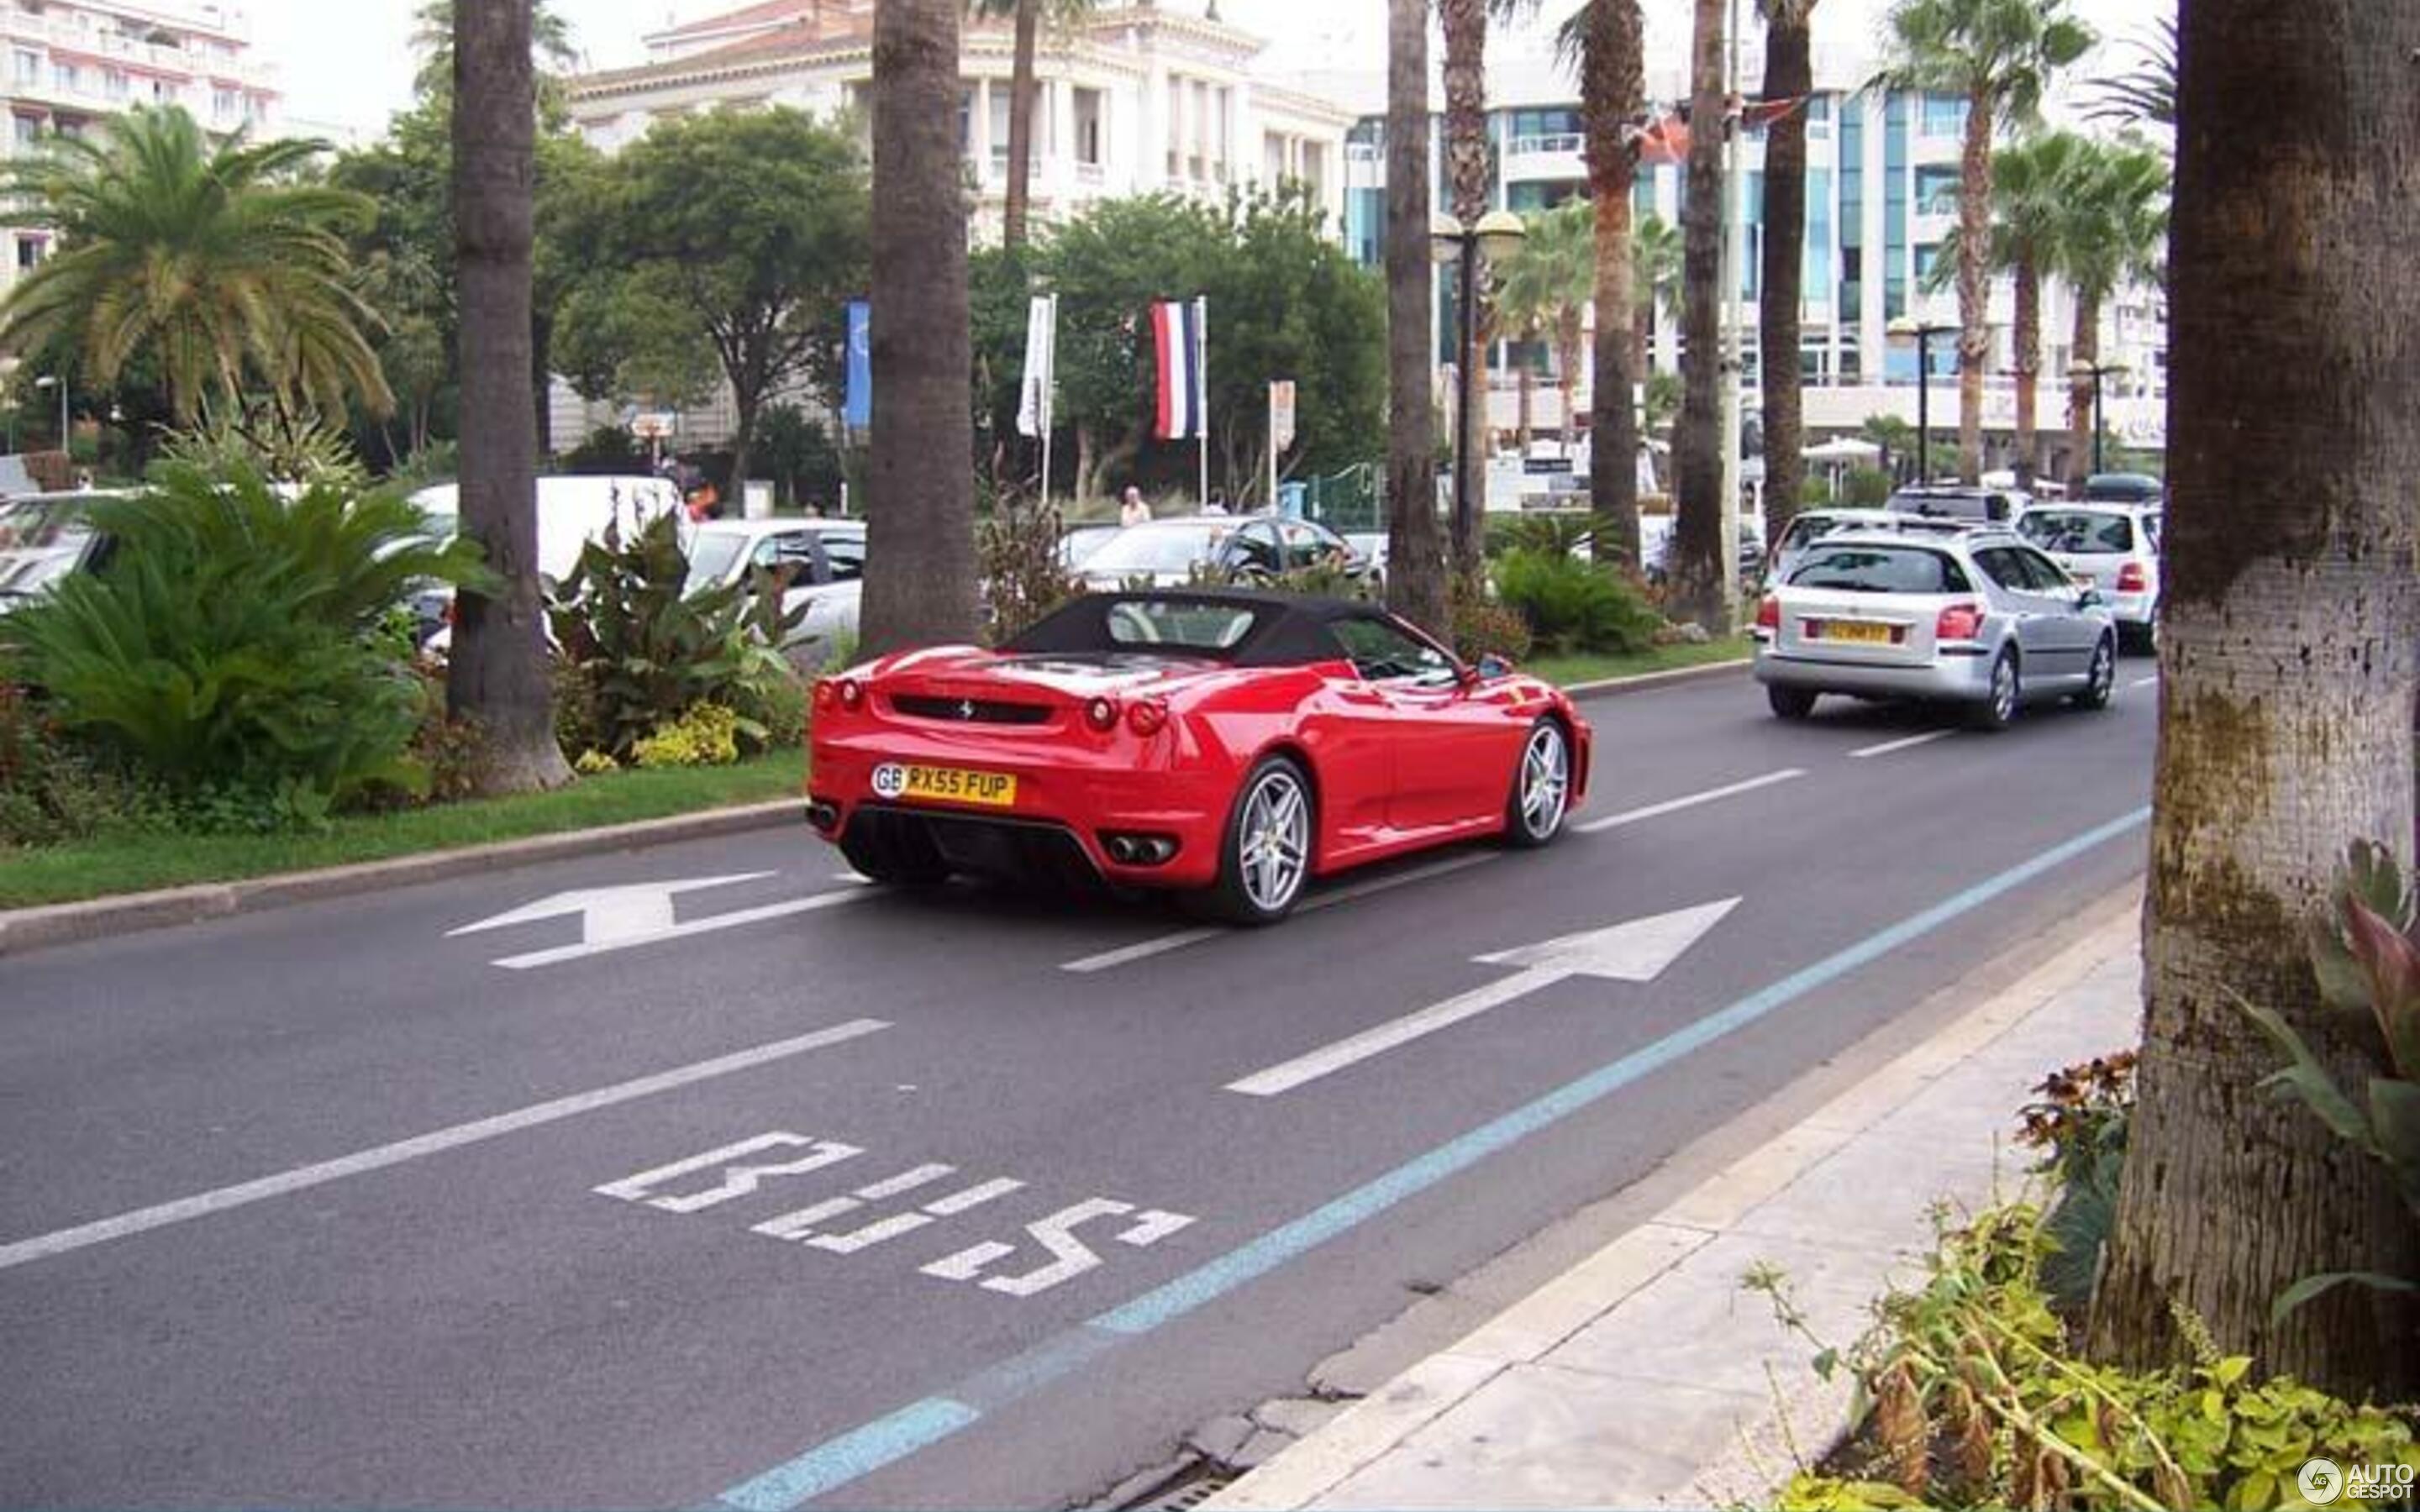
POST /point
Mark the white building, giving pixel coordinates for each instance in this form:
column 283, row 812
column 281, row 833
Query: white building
column 70, row 62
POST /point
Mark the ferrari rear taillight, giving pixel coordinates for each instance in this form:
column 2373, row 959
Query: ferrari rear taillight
column 1147, row 719
column 1768, row 613
column 827, row 694
column 1102, row 714
column 1959, row 621
column 2132, row 578
column 851, row 695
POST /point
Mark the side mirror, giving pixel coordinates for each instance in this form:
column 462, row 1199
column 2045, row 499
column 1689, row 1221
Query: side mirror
column 1489, row 668
column 2089, row 598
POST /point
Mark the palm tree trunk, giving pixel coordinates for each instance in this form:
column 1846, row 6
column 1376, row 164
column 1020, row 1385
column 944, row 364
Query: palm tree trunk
column 2287, row 679
column 1567, row 362
column 1699, row 576
column 1021, row 91
column 1974, row 285
column 497, row 672
column 1416, row 575
column 1612, row 96
column 919, row 583
column 2081, row 421
column 1789, row 75
column 1528, row 381
column 2028, row 364
column 1465, row 24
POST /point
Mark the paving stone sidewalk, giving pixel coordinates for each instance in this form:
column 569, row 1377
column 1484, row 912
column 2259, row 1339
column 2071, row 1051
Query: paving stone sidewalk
column 1646, row 1376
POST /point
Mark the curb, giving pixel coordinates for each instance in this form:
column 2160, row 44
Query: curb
column 1764, row 1450
column 31, row 929
column 1649, row 682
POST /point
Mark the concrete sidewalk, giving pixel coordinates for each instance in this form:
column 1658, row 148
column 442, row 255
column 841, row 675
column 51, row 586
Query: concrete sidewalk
column 1646, row 1376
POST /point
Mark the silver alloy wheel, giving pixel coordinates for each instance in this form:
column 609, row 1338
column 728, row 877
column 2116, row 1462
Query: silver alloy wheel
column 1545, row 780
column 1273, row 844
column 2103, row 679
column 2004, row 688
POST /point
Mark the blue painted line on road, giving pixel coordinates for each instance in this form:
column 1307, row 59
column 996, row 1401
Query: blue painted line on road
column 881, row 1443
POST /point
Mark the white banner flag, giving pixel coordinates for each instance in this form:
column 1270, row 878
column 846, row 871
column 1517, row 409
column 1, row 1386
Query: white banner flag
column 1034, row 405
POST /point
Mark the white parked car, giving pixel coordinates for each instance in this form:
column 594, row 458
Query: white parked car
column 2112, row 546
column 821, row 561
column 571, row 512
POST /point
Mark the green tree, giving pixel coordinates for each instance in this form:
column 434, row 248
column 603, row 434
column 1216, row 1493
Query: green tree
column 497, row 670
column 1606, row 38
column 2146, row 93
column 1028, row 16
column 920, row 583
column 2116, row 233
column 432, row 38
column 2290, row 620
column 1788, row 75
column 1656, row 259
column 1702, row 578
column 210, row 256
column 1543, row 293
column 740, row 233
column 1999, row 57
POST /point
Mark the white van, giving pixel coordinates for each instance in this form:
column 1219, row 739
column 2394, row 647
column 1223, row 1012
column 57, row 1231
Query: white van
column 572, row 512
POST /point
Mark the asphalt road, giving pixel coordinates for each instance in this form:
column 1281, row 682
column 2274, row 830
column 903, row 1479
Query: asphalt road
column 304, row 1207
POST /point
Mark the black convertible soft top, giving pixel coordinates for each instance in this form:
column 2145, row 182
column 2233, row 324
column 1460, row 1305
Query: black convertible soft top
column 1287, row 630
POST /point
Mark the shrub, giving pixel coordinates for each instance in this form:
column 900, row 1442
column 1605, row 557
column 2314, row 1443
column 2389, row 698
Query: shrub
column 707, row 735
column 1866, row 487
column 645, row 651
column 776, row 705
column 2079, row 1124
column 232, row 645
column 1485, row 628
column 1571, row 605
column 1016, row 551
column 50, row 790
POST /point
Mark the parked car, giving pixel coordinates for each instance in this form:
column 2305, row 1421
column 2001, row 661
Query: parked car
column 1958, row 502
column 1219, row 549
column 2125, row 488
column 1078, row 542
column 1228, row 743
column 571, row 512
column 821, row 564
column 1978, row 619
column 1809, row 526
column 44, row 538
column 2114, row 548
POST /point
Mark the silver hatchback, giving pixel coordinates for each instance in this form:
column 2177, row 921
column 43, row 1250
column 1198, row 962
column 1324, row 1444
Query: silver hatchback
column 1981, row 619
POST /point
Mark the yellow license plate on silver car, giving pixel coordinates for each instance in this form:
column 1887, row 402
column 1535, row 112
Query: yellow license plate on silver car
column 951, row 784
column 1863, row 632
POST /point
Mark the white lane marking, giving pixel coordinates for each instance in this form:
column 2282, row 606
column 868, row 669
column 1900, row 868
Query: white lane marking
column 361, row 1162
column 677, row 931
column 1161, row 945
column 1639, row 950
column 2144, row 682
column 1903, row 744
column 1657, row 810
column 609, row 913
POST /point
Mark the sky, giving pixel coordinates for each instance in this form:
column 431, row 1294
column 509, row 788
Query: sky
column 349, row 62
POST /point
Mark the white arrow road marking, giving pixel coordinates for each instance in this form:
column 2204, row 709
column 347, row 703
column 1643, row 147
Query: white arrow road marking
column 1639, row 950
column 302, row 1176
column 1162, row 944
column 1889, row 746
column 619, row 918
column 1657, row 810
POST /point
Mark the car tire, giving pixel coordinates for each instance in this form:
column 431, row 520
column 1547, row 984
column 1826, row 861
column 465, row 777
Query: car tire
column 1998, row 709
column 1790, row 703
column 895, row 852
column 1274, row 807
column 2100, row 679
column 1540, row 799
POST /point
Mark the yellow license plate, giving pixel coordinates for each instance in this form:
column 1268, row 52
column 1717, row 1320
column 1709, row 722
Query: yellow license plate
column 991, row 790
column 1859, row 631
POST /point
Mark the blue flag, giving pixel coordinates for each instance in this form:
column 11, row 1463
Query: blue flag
column 857, row 410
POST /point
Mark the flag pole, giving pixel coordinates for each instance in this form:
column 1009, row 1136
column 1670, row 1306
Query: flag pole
column 1201, row 387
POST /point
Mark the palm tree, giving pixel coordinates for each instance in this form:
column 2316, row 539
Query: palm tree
column 210, row 258
column 1416, row 575
column 1023, row 94
column 1655, row 257
column 2287, row 683
column 920, row 584
column 1542, row 292
column 2033, row 185
column 1606, row 38
column 2146, row 93
column 432, row 38
column 1788, row 75
column 497, row 671
column 1998, row 56
column 2116, row 230
column 1700, row 577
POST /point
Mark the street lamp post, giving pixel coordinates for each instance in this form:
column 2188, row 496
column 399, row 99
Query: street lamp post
column 48, row 381
column 1922, row 332
column 1497, row 235
column 2077, row 370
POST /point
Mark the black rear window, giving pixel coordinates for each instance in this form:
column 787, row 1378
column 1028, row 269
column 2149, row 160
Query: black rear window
column 2078, row 531
column 1880, row 569
column 1952, row 505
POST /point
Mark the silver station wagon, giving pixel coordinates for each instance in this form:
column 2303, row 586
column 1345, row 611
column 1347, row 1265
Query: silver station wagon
column 1980, row 619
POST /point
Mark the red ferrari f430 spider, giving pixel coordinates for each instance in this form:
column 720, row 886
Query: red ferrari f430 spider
column 1234, row 744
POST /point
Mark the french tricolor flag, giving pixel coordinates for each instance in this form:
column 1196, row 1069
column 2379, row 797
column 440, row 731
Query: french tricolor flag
column 1183, row 386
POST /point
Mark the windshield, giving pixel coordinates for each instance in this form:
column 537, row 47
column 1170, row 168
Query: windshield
column 2078, row 531
column 1880, row 569
column 711, row 556
column 41, row 540
column 1156, row 548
